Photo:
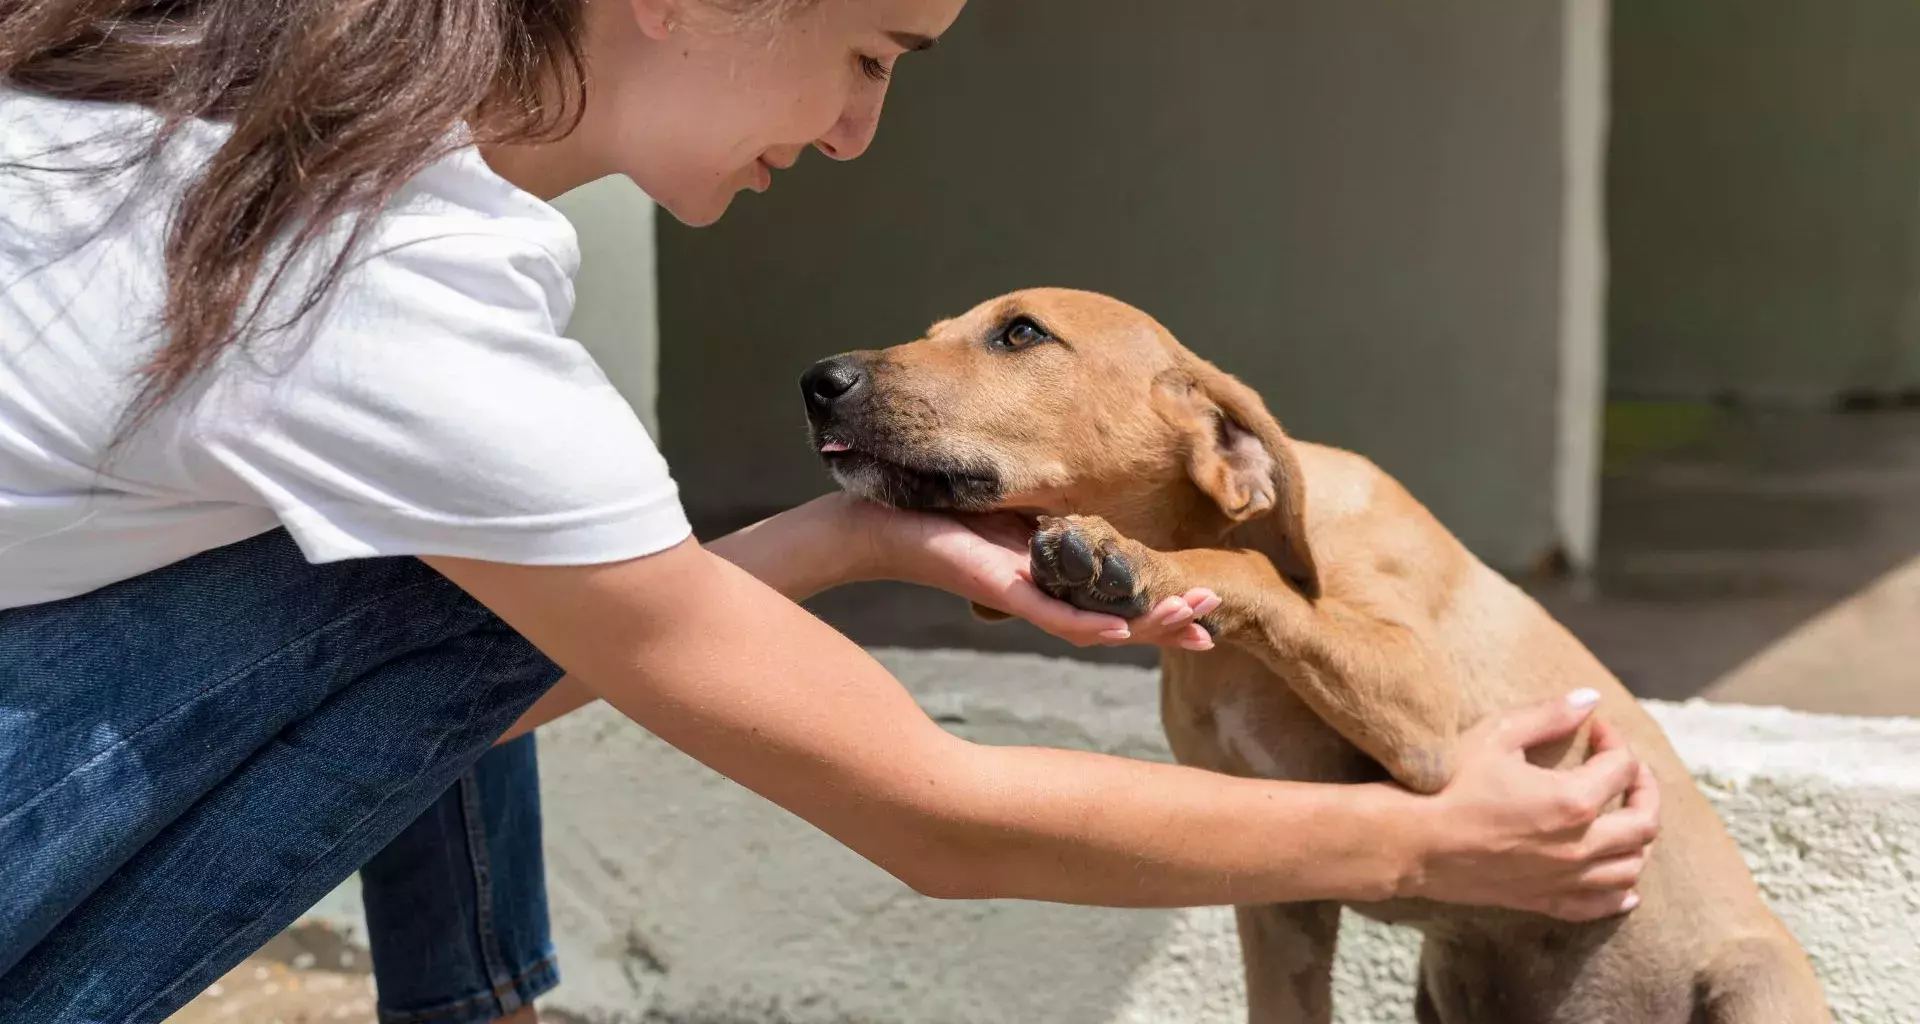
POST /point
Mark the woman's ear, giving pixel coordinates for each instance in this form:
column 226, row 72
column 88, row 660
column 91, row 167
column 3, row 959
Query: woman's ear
column 655, row 18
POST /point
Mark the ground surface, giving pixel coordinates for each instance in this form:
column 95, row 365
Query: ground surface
column 307, row 975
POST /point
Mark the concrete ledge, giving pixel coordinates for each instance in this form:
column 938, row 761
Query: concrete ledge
column 680, row 898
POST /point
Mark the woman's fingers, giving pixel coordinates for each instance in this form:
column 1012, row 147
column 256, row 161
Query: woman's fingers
column 1172, row 612
column 1630, row 829
column 1604, row 737
column 1171, row 622
column 991, row 554
column 1546, row 721
column 1019, row 597
column 1196, row 639
column 1619, row 874
column 1581, row 909
column 1591, row 787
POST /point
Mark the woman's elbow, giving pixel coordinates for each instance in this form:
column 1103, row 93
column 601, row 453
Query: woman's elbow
column 944, row 868
column 947, row 852
column 953, row 841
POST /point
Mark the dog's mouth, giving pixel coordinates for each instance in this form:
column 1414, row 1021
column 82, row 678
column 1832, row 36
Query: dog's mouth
column 885, row 473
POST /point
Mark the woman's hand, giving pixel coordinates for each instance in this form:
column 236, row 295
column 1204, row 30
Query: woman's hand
column 1507, row 833
column 984, row 559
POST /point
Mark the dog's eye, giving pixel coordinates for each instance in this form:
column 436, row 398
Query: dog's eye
column 1020, row 333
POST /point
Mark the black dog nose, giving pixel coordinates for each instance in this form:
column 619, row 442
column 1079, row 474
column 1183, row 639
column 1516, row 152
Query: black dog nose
column 829, row 380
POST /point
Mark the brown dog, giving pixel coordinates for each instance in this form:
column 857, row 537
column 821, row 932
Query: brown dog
column 1357, row 636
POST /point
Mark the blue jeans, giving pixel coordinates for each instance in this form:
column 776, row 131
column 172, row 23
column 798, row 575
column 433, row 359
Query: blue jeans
column 191, row 758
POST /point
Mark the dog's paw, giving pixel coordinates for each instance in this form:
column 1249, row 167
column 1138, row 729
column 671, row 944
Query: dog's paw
column 1085, row 562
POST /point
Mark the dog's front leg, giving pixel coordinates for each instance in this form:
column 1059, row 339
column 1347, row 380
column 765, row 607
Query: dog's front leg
column 1366, row 674
column 1287, row 950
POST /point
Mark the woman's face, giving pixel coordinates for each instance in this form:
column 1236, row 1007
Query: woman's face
column 695, row 103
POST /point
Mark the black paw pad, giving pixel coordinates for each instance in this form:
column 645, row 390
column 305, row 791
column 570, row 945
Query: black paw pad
column 1075, row 560
column 1089, row 574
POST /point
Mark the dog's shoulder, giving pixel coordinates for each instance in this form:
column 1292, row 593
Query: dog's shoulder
column 1373, row 538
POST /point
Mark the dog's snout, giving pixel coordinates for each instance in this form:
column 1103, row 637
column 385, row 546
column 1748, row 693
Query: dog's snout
column 830, row 380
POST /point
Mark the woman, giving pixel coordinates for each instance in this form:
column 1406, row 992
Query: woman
column 305, row 502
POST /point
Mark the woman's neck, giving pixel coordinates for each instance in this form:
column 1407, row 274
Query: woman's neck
column 546, row 169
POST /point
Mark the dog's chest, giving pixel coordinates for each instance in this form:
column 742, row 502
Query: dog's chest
column 1226, row 712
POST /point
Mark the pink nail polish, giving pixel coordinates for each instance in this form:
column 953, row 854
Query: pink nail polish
column 1117, row 634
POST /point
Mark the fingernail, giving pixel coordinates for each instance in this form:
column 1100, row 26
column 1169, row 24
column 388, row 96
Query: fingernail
column 1632, row 901
column 1197, row 646
column 1207, row 606
column 1117, row 634
column 1583, row 698
column 1177, row 614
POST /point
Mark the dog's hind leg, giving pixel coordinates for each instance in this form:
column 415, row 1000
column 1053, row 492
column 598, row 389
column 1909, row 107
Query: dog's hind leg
column 1762, row 982
column 1288, row 952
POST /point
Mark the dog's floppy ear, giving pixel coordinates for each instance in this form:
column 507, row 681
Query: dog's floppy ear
column 1239, row 457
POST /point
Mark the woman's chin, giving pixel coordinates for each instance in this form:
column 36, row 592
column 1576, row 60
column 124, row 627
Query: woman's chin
column 700, row 212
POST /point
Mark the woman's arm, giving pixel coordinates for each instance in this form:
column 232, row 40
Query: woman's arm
column 717, row 663
column 835, row 540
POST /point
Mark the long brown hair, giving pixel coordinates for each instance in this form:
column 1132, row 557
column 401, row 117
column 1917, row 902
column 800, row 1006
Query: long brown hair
column 333, row 104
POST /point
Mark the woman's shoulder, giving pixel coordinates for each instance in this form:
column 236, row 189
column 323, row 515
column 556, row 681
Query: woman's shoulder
column 459, row 198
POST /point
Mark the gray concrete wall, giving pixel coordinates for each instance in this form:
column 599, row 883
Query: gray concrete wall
column 1765, row 198
column 1362, row 207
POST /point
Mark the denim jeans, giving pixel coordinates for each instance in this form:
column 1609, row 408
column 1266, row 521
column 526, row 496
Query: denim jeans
column 191, row 758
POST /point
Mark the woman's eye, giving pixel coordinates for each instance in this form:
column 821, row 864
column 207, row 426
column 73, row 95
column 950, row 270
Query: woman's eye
column 875, row 68
column 1022, row 333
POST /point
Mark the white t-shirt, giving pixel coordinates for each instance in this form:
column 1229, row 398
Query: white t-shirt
column 431, row 407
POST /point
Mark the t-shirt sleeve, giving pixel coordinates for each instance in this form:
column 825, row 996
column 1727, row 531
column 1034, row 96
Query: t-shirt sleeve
column 434, row 408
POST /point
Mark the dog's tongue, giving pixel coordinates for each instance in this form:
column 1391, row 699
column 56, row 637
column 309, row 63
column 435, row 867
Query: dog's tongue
column 833, row 446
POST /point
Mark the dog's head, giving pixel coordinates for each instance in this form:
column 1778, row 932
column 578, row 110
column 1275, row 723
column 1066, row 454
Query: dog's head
column 1053, row 402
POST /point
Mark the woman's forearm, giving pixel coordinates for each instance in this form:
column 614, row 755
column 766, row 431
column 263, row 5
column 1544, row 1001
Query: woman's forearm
column 802, row 551
column 1071, row 827
column 766, row 694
